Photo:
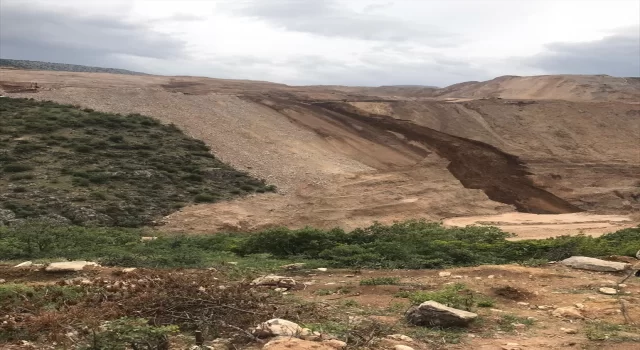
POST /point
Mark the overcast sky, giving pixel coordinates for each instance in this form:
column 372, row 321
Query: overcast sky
column 347, row 42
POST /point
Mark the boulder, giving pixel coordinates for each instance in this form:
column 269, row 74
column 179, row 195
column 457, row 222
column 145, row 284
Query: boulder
column 431, row 313
column 69, row 266
column 24, row 264
column 444, row 274
column 593, row 264
column 2, row 280
column 287, row 343
column 638, row 254
column 273, row 280
column 278, row 327
column 567, row 312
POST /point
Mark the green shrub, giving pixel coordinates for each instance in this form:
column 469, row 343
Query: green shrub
column 17, row 168
column 204, row 198
column 131, row 333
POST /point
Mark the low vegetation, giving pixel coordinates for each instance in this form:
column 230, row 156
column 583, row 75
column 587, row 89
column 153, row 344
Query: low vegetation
column 84, row 167
column 456, row 295
column 412, row 245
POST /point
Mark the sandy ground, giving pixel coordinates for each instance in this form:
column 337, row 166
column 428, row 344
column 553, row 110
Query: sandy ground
column 350, row 164
column 536, row 226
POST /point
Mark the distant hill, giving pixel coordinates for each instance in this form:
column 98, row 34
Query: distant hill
column 558, row 87
column 38, row 65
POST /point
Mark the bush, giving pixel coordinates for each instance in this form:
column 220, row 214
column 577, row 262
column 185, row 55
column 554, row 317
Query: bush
column 204, row 198
column 17, row 168
column 135, row 333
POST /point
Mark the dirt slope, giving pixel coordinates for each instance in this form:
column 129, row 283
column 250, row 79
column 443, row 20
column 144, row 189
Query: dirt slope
column 344, row 159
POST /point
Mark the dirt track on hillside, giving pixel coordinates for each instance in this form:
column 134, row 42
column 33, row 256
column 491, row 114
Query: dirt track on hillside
column 340, row 159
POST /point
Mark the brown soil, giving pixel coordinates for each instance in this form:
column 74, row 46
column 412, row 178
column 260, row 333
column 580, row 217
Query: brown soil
column 343, row 157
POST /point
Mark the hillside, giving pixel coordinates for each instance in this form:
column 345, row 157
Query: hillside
column 555, row 87
column 38, row 65
column 341, row 158
column 86, row 167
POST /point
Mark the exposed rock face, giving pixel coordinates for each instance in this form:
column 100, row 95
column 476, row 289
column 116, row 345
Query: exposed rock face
column 431, row 313
column 593, row 264
column 69, row 266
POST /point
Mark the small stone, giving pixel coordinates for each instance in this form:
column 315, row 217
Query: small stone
column 622, row 285
column 280, row 289
column 278, row 327
column 444, row 274
column 232, row 262
column 322, row 269
column 569, row 330
column 400, row 337
column 519, row 325
column 497, row 311
column 335, row 343
column 511, row 346
column 491, row 276
column 522, row 303
column 608, row 291
column 2, row 280
column 69, row 266
column 580, row 306
column 402, row 347
column 457, row 277
column 128, row 269
column 293, row 267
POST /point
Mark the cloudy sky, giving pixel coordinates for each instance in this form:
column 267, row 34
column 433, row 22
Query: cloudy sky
column 347, row 42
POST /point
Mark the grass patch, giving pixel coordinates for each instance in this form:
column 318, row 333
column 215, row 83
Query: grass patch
column 60, row 152
column 379, row 281
column 601, row 331
column 507, row 323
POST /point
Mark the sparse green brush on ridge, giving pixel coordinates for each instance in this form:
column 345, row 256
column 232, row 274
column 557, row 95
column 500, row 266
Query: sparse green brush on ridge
column 410, row 245
column 85, row 167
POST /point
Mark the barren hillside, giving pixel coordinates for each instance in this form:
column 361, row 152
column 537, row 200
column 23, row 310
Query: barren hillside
column 342, row 157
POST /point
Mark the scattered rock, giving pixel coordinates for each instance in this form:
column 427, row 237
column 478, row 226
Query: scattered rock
column 569, row 330
column 322, row 269
column 400, row 337
column 608, row 291
column 431, row 313
column 273, row 280
column 288, row 343
column 278, row 327
column 593, row 264
column 293, row 267
column 444, row 274
column 567, row 312
column 69, row 266
column 24, row 264
column 402, row 347
column 335, row 343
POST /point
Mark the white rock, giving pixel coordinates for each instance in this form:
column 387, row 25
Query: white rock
column 522, row 303
column 444, row 274
column 274, row 280
column 322, row 269
column 638, row 254
column 400, row 337
column 402, row 347
column 69, row 266
column 498, row 311
column 593, row 264
column 2, row 280
column 491, row 276
column 278, row 327
column 431, row 313
column 25, row 264
column 457, row 277
column 128, row 269
column 569, row 330
column 608, row 291
column 291, row 267
column 580, row 306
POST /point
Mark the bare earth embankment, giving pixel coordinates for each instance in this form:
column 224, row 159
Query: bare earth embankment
column 346, row 157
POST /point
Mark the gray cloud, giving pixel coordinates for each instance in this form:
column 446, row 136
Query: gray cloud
column 67, row 37
column 332, row 19
column 617, row 55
